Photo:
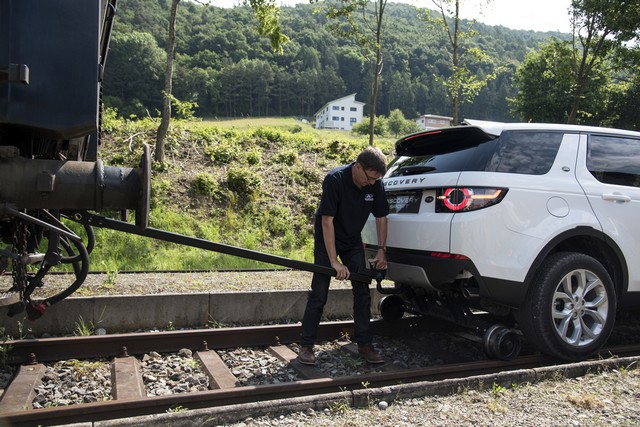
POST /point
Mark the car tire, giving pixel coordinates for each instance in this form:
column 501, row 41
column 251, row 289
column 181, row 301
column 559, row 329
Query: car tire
column 559, row 317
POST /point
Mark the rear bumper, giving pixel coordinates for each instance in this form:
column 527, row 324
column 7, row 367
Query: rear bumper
column 420, row 270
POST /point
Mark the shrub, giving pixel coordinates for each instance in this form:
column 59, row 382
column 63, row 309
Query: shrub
column 243, row 181
column 160, row 191
column 205, row 184
column 295, row 129
column 254, row 156
column 278, row 220
column 270, row 134
column 224, row 151
column 343, row 151
column 287, row 156
column 307, row 177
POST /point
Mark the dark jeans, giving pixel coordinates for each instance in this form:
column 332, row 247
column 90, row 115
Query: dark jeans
column 353, row 258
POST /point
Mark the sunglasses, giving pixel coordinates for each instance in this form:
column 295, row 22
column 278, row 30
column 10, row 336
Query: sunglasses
column 369, row 178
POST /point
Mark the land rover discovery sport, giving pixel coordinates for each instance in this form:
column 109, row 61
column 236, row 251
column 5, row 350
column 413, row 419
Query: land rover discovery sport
column 534, row 224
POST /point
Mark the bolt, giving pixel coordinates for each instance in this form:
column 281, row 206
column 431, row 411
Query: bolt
column 31, row 359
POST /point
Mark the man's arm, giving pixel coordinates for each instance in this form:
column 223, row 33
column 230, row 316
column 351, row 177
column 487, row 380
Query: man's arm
column 380, row 260
column 329, row 235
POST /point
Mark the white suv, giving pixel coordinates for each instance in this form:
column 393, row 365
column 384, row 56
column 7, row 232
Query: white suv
column 515, row 227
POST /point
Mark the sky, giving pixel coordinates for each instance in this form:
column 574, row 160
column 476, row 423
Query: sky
column 538, row 15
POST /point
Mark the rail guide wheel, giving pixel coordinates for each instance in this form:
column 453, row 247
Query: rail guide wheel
column 500, row 342
column 391, row 308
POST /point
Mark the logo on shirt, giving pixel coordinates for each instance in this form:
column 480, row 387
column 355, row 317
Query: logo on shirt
column 368, row 197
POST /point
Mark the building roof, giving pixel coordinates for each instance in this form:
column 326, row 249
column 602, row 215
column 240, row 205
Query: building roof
column 435, row 116
column 353, row 95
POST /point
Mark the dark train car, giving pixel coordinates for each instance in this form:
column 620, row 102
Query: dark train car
column 52, row 56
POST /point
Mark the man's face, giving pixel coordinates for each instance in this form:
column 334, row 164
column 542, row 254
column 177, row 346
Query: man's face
column 363, row 177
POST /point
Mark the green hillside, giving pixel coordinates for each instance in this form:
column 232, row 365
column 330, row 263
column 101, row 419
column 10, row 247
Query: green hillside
column 253, row 183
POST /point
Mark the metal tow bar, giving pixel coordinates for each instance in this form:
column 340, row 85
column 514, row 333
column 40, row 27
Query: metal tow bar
column 86, row 218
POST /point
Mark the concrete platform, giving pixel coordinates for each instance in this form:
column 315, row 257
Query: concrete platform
column 131, row 313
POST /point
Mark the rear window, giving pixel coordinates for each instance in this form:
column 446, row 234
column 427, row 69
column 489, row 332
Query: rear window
column 531, row 153
column 614, row 160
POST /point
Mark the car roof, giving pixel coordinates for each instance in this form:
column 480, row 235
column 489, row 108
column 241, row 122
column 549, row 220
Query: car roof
column 496, row 128
column 475, row 132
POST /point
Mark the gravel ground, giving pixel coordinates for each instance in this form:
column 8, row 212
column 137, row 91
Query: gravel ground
column 605, row 399
column 145, row 284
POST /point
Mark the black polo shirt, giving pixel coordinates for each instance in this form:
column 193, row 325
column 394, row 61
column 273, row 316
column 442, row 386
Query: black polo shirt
column 349, row 205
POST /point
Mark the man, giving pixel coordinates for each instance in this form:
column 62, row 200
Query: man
column 349, row 194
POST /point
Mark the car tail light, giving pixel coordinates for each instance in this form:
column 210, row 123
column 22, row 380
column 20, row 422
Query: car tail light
column 465, row 199
column 447, row 255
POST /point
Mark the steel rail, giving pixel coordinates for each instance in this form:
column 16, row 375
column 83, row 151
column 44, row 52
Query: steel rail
column 83, row 347
column 114, row 409
column 136, row 407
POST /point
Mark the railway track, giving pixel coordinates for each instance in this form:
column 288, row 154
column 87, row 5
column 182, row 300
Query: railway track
column 228, row 398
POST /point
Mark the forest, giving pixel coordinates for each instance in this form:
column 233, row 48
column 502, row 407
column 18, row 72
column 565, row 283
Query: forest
column 225, row 68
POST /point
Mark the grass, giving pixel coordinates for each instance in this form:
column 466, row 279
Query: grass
column 253, row 122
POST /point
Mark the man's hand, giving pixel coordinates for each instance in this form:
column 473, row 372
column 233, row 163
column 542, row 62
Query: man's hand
column 341, row 270
column 379, row 261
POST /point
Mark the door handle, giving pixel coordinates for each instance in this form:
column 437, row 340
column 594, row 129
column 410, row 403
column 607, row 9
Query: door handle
column 616, row 198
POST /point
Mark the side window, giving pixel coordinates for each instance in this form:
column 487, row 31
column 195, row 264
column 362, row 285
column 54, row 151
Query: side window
column 614, row 160
column 530, row 153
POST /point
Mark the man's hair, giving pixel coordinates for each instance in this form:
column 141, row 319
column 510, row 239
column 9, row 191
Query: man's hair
column 372, row 158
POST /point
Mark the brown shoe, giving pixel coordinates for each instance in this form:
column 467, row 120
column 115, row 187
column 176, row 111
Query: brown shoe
column 370, row 354
column 306, row 357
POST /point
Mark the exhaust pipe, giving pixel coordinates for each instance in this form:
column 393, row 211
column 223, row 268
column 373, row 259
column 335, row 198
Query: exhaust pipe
column 470, row 293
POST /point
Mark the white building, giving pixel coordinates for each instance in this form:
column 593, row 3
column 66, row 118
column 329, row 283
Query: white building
column 431, row 121
column 341, row 113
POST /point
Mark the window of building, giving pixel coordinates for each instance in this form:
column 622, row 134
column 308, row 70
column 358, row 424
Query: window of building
column 335, row 118
column 335, row 108
column 353, row 120
column 353, row 109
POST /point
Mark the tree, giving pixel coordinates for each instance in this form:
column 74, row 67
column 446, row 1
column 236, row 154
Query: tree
column 398, row 125
column 267, row 13
column 603, row 29
column 362, row 128
column 624, row 112
column 366, row 30
column 136, row 82
column 168, row 79
column 462, row 84
column 544, row 82
column 572, row 81
column 210, row 38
